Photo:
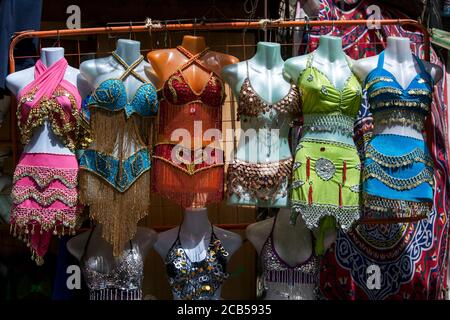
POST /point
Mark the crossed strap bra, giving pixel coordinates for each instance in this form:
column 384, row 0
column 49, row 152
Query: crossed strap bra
column 112, row 95
column 390, row 103
column 177, row 90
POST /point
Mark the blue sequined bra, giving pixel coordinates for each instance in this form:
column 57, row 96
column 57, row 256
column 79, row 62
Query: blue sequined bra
column 112, row 95
column 392, row 104
column 398, row 169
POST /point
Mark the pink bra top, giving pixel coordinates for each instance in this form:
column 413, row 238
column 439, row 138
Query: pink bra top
column 51, row 98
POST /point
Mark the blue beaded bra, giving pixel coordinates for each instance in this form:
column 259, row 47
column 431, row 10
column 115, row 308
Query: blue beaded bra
column 390, row 103
column 123, row 169
column 112, row 95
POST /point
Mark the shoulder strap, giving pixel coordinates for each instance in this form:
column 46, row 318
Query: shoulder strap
column 310, row 59
column 192, row 58
column 423, row 70
column 248, row 72
column 86, row 245
column 273, row 227
column 380, row 62
column 129, row 69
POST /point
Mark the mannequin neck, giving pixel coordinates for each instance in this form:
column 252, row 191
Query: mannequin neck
column 196, row 220
column 193, row 44
column 268, row 54
column 330, row 48
column 284, row 218
column 398, row 49
column 128, row 50
column 51, row 55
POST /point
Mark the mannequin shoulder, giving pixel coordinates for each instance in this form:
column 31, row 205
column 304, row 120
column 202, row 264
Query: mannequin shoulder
column 146, row 238
column 235, row 73
column 225, row 59
column 258, row 232
column 434, row 70
column 18, row 80
column 165, row 240
column 259, row 229
column 92, row 69
column 231, row 241
column 293, row 67
column 77, row 244
column 362, row 67
column 162, row 56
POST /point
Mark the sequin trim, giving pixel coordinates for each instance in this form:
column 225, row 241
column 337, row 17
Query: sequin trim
column 400, row 117
column 46, row 197
column 378, row 79
column 43, row 176
column 375, row 171
column 416, row 155
column 329, row 123
column 261, row 180
column 389, row 208
column 251, row 104
column 313, row 213
column 382, row 90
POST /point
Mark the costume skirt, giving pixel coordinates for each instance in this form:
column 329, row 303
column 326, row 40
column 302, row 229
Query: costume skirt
column 326, row 182
column 397, row 178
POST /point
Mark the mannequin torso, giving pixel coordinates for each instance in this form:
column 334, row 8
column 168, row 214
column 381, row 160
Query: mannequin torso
column 330, row 59
column 399, row 61
column 265, row 73
column 292, row 246
column 195, row 234
column 166, row 61
column 43, row 139
column 144, row 239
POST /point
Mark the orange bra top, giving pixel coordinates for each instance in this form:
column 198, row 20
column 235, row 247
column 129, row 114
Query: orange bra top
column 177, row 91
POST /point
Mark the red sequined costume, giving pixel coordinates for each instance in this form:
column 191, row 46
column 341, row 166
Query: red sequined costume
column 186, row 169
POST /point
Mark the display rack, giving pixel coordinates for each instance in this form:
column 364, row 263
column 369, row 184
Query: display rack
column 160, row 26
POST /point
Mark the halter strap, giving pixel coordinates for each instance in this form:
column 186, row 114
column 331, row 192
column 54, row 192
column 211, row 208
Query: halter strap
column 47, row 79
column 380, row 62
column 129, row 69
column 86, row 246
column 248, row 72
column 309, row 60
column 192, row 58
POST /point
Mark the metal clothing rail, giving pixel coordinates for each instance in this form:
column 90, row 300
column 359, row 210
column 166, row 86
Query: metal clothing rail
column 161, row 26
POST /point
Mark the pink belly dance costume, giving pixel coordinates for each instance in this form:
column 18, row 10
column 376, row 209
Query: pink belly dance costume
column 45, row 194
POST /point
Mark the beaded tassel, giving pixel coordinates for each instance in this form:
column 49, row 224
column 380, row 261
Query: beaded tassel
column 308, row 167
column 344, row 173
column 340, row 195
column 310, row 194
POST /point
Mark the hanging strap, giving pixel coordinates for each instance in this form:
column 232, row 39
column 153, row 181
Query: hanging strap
column 423, row 70
column 129, row 69
column 248, row 72
column 273, row 227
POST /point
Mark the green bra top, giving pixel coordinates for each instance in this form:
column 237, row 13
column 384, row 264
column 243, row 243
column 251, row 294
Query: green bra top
column 320, row 96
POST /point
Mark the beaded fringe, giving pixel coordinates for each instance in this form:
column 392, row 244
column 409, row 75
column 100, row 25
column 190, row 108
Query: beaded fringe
column 290, row 277
column 118, row 212
column 198, row 190
column 115, row 294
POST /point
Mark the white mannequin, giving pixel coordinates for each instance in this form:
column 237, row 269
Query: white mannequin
column 43, row 139
column 195, row 235
column 294, row 244
column 399, row 61
column 96, row 71
column 265, row 71
column 331, row 60
column 99, row 248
